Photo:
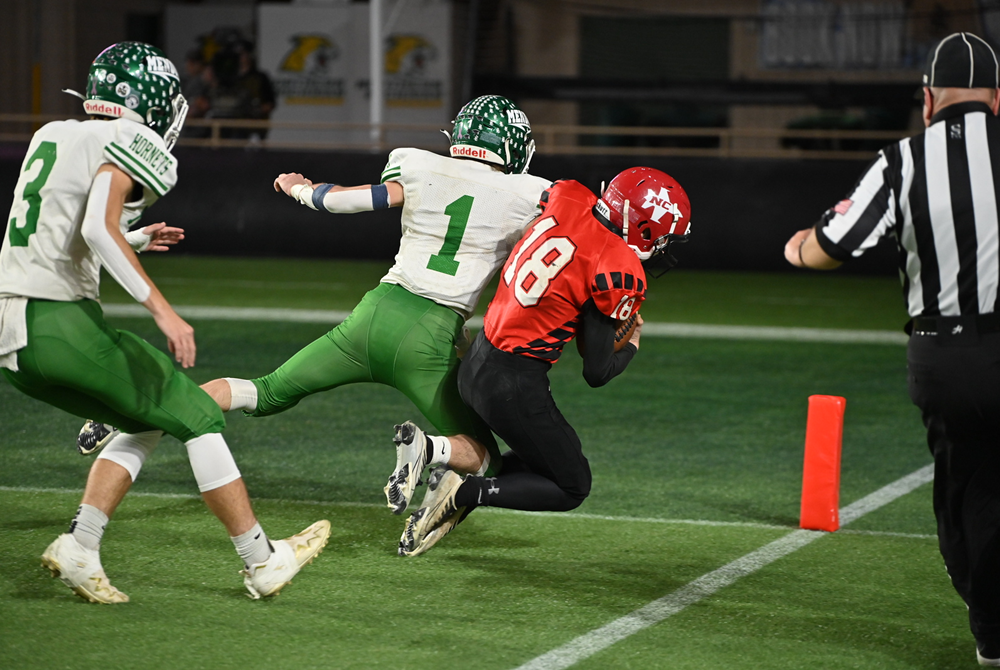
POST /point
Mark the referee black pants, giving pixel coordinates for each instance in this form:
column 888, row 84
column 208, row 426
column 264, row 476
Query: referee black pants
column 546, row 468
column 955, row 381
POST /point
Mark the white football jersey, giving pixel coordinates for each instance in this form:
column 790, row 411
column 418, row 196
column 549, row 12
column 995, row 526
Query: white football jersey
column 460, row 220
column 44, row 255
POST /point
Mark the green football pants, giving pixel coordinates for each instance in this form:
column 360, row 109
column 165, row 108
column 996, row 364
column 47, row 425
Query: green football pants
column 392, row 337
column 77, row 362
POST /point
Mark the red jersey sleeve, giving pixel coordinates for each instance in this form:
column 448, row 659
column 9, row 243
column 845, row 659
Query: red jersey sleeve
column 619, row 285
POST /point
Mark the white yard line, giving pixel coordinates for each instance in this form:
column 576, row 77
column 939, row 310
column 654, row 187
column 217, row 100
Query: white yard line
column 493, row 510
column 650, row 329
column 597, row 640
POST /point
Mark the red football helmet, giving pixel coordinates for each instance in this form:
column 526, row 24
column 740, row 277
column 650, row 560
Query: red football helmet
column 650, row 209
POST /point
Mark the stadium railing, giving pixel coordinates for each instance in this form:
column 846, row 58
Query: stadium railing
column 571, row 140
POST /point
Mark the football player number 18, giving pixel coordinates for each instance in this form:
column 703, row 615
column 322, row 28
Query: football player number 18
column 458, row 218
column 532, row 277
column 20, row 232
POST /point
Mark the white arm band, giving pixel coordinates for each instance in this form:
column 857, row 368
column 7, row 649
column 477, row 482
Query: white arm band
column 95, row 234
column 138, row 240
column 342, row 202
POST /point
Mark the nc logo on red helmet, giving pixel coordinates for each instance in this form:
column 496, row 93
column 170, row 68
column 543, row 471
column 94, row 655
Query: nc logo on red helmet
column 660, row 204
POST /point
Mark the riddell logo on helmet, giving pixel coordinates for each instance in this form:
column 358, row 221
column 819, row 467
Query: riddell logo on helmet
column 104, row 108
column 469, row 152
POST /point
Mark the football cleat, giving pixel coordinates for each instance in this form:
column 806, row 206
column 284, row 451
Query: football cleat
column 80, row 569
column 290, row 555
column 988, row 655
column 437, row 515
column 411, row 458
column 94, row 436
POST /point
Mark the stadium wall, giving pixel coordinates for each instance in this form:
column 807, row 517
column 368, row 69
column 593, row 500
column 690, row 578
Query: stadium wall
column 743, row 210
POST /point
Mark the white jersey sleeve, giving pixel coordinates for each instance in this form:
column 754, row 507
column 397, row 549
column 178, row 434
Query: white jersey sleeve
column 44, row 254
column 460, row 220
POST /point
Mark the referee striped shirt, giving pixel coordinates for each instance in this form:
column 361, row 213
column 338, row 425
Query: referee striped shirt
column 936, row 193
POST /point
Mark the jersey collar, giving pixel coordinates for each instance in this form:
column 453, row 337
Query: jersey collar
column 960, row 109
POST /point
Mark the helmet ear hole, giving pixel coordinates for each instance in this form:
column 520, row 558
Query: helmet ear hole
column 646, row 233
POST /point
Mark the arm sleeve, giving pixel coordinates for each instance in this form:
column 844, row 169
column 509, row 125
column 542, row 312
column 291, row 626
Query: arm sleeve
column 856, row 223
column 342, row 202
column 95, row 234
column 601, row 363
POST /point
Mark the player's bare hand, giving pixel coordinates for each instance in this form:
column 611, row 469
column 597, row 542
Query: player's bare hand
column 180, row 336
column 285, row 182
column 792, row 247
column 634, row 340
column 162, row 236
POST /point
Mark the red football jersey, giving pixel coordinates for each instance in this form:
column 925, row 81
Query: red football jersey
column 565, row 258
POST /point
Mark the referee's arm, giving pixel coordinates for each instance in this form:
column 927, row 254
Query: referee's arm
column 854, row 225
column 804, row 251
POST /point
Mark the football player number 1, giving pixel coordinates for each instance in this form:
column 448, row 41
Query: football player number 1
column 19, row 234
column 458, row 218
column 532, row 277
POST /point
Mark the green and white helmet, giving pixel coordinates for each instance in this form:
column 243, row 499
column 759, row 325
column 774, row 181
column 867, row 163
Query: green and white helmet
column 136, row 81
column 494, row 130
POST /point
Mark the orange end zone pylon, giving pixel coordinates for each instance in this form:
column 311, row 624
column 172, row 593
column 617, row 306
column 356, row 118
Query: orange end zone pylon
column 821, row 472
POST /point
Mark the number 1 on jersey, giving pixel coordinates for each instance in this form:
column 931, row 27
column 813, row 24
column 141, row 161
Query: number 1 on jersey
column 46, row 152
column 458, row 218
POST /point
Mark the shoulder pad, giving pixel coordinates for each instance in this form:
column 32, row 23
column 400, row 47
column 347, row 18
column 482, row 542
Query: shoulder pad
column 141, row 153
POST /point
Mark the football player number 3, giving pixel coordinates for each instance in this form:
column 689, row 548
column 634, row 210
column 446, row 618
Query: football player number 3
column 20, row 232
column 458, row 218
column 531, row 278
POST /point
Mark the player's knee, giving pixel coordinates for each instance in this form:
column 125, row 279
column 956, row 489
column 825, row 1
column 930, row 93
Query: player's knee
column 270, row 399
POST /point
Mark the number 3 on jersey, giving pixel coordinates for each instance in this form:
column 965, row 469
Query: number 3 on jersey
column 532, row 277
column 19, row 234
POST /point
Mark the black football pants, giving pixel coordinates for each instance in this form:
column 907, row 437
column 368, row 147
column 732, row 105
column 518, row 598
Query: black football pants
column 955, row 381
column 546, row 468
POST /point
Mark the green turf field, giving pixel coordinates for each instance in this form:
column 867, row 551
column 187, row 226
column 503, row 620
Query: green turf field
column 696, row 452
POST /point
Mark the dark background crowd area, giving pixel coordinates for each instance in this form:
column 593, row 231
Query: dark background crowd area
column 743, row 210
column 220, row 80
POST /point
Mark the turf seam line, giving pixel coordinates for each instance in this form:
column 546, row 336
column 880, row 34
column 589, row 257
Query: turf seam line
column 649, row 328
column 601, row 638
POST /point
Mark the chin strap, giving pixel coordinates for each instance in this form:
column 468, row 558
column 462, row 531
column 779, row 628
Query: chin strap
column 74, row 93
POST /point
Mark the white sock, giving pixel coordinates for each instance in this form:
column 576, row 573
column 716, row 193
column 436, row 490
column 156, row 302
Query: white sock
column 485, row 466
column 252, row 546
column 243, row 393
column 440, row 450
column 88, row 526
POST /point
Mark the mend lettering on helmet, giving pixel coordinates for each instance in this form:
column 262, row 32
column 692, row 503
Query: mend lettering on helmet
column 160, row 66
column 516, row 117
column 147, row 151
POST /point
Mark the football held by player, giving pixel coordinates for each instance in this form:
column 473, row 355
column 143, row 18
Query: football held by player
column 462, row 215
column 577, row 272
column 82, row 185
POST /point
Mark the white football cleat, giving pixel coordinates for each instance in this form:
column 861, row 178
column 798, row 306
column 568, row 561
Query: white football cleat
column 437, row 515
column 411, row 458
column 94, row 436
column 80, row 569
column 290, row 555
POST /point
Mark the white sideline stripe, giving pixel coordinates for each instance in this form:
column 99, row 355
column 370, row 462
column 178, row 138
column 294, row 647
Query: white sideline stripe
column 597, row 640
column 649, row 328
column 490, row 510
